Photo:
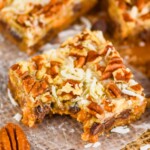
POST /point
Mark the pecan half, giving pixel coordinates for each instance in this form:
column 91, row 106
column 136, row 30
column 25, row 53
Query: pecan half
column 13, row 138
column 96, row 128
column 95, row 107
column 113, row 90
column 114, row 63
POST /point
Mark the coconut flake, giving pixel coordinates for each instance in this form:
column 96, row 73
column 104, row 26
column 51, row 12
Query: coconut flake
column 100, row 36
column 131, row 93
column 145, row 147
column 88, row 145
column 17, row 117
column 134, row 12
column 86, row 22
column 121, row 129
column 11, row 98
column 97, row 144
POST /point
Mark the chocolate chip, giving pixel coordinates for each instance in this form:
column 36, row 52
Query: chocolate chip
column 109, row 122
column 125, row 114
column 74, row 109
column 100, row 25
column 77, row 7
column 39, row 109
column 96, row 128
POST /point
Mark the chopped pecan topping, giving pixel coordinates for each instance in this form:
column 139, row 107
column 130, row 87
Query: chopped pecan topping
column 38, row 61
column 2, row 4
column 140, row 4
column 95, row 107
column 104, row 51
column 38, row 88
column 28, row 83
column 96, row 128
column 113, row 90
column 92, row 55
column 99, row 67
column 80, row 62
column 114, row 63
column 109, row 123
column 54, row 70
column 145, row 16
column 73, row 82
column 127, row 17
column 79, row 51
column 22, row 18
column 136, row 87
column 122, row 74
column 125, row 114
column 15, row 67
column 122, row 4
column 13, row 138
column 108, row 106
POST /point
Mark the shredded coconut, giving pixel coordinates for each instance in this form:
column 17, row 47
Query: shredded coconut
column 88, row 145
column 145, row 147
column 86, row 22
column 97, row 144
column 11, row 98
column 131, row 93
column 17, row 117
column 121, row 130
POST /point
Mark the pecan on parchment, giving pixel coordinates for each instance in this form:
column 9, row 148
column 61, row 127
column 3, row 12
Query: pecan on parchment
column 13, row 138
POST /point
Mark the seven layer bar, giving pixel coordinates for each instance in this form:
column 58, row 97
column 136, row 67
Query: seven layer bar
column 30, row 23
column 130, row 18
column 84, row 78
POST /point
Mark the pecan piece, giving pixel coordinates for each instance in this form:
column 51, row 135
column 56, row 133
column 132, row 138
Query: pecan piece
column 92, row 55
column 109, row 123
column 38, row 88
column 122, row 74
column 113, row 90
column 80, row 62
column 54, row 70
column 124, row 114
column 96, row 128
column 28, row 83
column 13, row 138
column 136, row 87
column 108, row 106
column 15, row 67
column 140, row 4
column 95, row 107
